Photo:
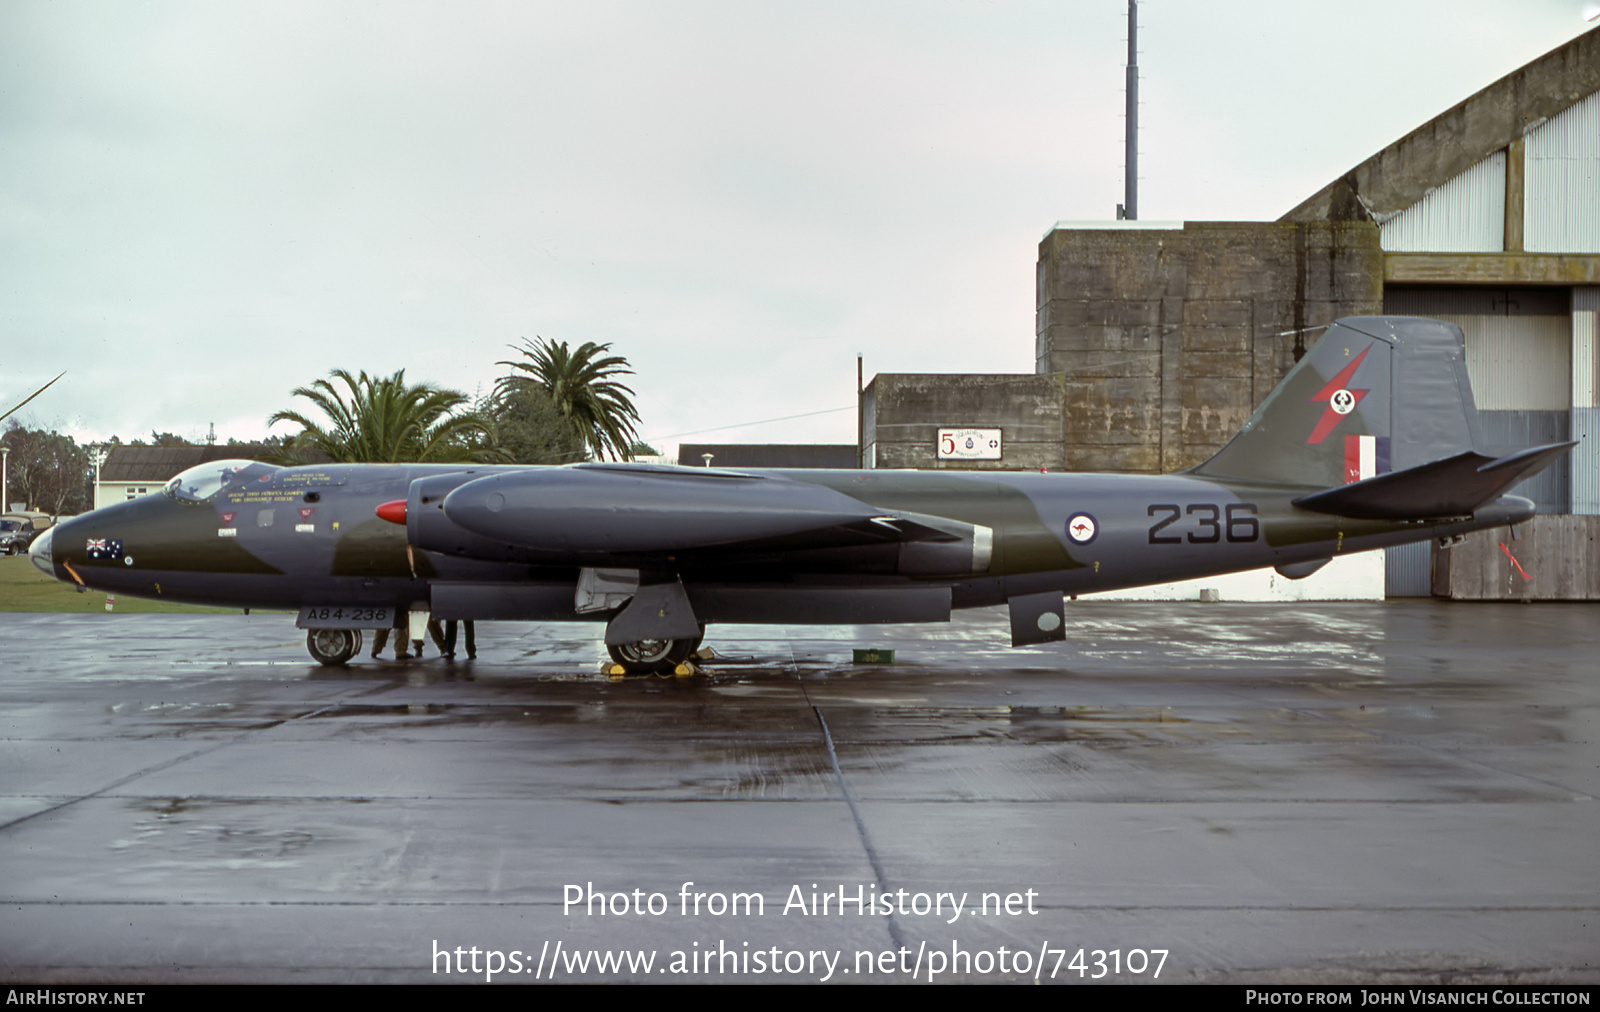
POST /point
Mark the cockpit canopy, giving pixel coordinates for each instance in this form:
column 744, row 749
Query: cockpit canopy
column 202, row 482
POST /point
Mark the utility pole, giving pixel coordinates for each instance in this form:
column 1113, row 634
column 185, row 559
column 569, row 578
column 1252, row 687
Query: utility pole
column 97, row 457
column 861, row 418
column 1129, row 208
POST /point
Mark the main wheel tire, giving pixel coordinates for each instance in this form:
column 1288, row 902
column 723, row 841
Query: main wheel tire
column 333, row 647
column 650, row 656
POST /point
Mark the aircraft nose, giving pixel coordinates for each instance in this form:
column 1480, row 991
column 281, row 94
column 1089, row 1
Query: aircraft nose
column 39, row 554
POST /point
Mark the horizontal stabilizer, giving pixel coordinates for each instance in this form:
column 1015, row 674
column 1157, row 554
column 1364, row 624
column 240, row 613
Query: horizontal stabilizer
column 1452, row 487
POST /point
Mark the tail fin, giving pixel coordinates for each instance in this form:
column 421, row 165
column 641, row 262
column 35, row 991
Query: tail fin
column 1375, row 394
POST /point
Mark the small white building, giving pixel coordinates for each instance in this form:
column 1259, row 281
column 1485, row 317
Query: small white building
column 129, row 472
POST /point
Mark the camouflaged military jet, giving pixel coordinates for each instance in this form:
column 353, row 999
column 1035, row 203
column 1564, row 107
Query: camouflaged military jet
column 1370, row 441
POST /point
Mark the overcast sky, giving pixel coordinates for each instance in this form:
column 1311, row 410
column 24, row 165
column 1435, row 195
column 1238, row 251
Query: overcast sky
column 204, row 205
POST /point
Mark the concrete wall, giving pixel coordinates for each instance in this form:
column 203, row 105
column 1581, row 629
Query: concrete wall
column 1356, row 577
column 1401, row 174
column 904, row 413
column 1559, row 554
column 1167, row 339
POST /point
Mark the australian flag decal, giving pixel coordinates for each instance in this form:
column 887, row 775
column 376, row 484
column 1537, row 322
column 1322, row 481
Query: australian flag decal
column 103, row 548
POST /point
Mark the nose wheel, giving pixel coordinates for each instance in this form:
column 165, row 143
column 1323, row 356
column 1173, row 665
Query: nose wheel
column 333, row 647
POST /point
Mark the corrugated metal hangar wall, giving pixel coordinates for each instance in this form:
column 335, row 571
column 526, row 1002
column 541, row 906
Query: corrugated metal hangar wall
column 1530, row 348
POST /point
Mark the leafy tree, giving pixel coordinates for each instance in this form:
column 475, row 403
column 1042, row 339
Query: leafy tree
column 527, row 428
column 386, row 419
column 640, row 448
column 47, row 470
column 583, row 385
column 282, row 441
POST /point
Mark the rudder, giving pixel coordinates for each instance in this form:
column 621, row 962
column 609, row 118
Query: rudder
column 1375, row 394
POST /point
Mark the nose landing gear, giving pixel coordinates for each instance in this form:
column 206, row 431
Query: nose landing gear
column 333, row 647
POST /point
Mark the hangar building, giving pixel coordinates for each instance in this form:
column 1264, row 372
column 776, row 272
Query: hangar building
column 1156, row 340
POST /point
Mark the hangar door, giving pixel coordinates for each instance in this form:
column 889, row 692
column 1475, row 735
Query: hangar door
column 1519, row 358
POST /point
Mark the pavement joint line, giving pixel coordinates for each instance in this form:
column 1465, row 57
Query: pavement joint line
column 1393, row 740
column 861, row 825
column 855, row 814
column 168, row 764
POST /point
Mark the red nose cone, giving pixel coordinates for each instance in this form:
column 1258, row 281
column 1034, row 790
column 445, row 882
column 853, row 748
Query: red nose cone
column 394, row 512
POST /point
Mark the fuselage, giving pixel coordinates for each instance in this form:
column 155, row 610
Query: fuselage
column 1368, row 441
column 308, row 536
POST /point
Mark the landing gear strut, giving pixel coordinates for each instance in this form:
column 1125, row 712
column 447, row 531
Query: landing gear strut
column 333, row 647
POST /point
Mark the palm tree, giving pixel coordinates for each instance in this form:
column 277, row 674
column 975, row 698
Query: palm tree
column 387, row 420
column 583, row 386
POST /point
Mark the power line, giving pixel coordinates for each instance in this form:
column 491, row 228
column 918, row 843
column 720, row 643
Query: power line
column 741, row 425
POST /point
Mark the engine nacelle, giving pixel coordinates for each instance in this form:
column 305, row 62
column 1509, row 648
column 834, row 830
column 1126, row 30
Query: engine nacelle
column 637, row 510
column 628, row 515
column 428, row 528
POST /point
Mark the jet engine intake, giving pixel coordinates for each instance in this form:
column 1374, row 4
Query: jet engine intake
column 428, row 528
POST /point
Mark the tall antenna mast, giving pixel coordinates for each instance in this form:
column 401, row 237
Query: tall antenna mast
column 1129, row 208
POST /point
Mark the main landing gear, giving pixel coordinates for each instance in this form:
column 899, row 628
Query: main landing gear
column 333, row 647
column 653, row 656
column 654, row 629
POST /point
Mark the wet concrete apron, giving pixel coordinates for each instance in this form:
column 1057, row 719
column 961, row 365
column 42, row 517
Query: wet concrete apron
column 1337, row 793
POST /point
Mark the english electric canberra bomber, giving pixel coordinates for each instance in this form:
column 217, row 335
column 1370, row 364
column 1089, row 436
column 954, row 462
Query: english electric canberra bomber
column 1370, row 441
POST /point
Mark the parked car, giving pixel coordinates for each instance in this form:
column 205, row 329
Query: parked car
column 17, row 533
